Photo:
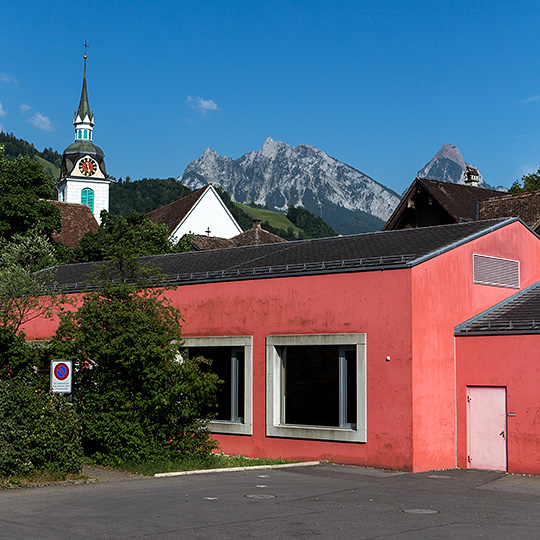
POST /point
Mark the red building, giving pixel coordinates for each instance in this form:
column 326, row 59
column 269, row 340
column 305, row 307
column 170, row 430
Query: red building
column 498, row 386
column 342, row 348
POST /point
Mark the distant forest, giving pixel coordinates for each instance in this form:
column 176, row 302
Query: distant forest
column 14, row 147
column 144, row 195
column 50, row 159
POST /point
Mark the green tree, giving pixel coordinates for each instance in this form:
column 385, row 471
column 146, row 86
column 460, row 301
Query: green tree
column 528, row 182
column 132, row 236
column 24, row 188
column 25, row 281
column 137, row 399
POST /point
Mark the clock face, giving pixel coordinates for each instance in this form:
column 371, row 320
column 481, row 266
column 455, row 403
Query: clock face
column 88, row 166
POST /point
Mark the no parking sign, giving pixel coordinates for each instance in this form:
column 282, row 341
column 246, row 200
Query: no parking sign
column 61, row 376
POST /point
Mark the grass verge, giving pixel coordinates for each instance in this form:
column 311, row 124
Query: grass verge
column 212, row 461
column 37, row 479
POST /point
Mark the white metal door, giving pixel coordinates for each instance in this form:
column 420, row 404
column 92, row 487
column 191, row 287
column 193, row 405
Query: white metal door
column 486, row 406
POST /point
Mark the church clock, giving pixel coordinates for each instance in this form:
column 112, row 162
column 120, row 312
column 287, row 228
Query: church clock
column 88, row 166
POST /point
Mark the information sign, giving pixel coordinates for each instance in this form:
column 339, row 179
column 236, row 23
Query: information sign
column 61, row 376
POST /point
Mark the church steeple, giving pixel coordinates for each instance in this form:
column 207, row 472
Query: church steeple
column 83, row 119
column 83, row 178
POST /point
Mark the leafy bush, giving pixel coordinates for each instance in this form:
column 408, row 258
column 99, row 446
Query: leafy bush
column 136, row 399
column 38, row 432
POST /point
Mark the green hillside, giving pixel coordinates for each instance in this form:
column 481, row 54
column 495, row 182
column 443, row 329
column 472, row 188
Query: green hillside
column 50, row 168
column 49, row 158
column 274, row 219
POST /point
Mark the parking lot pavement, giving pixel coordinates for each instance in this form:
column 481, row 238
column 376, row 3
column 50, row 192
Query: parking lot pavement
column 323, row 501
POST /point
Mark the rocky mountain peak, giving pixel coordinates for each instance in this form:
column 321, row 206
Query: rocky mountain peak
column 279, row 175
column 448, row 165
column 452, row 152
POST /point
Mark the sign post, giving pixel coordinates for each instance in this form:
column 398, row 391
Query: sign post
column 61, row 376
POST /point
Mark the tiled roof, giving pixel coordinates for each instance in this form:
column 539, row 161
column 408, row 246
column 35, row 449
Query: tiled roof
column 77, row 220
column 519, row 314
column 252, row 237
column 525, row 206
column 173, row 213
column 459, row 200
column 256, row 236
column 202, row 243
column 380, row 250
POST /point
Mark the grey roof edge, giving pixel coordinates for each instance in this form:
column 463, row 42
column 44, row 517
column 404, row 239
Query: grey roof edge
column 503, row 223
column 325, row 267
column 460, row 328
column 215, row 277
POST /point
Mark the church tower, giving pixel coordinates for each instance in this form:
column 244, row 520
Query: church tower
column 83, row 178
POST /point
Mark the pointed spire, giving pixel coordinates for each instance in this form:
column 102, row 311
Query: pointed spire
column 84, row 117
column 84, row 107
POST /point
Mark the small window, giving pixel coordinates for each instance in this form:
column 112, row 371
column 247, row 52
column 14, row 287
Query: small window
column 87, row 197
column 316, row 387
column 232, row 362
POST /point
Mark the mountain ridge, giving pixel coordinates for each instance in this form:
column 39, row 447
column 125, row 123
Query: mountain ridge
column 279, row 175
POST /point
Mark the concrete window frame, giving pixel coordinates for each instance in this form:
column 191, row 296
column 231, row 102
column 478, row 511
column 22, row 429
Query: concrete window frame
column 246, row 342
column 274, row 388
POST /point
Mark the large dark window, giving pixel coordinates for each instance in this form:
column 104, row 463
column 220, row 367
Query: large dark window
column 229, row 364
column 318, row 385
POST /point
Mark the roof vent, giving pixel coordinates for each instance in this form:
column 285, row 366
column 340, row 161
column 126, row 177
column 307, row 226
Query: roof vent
column 495, row 271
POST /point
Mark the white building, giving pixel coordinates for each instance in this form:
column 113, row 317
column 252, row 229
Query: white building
column 202, row 212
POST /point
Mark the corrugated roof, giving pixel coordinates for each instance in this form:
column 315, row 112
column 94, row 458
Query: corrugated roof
column 519, row 314
column 380, row 250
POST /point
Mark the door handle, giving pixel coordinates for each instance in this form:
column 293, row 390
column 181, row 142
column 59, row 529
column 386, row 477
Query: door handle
column 501, row 434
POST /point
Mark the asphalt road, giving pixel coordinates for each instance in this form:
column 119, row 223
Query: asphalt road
column 324, row 501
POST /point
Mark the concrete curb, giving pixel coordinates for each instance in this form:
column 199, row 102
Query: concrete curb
column 236, row 469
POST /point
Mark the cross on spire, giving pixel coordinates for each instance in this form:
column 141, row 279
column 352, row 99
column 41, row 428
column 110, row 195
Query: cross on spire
column 85, row 45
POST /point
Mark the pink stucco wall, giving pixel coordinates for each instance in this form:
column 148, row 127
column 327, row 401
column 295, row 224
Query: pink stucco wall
column 510, row 362
column 408, row 315
column 443, row 296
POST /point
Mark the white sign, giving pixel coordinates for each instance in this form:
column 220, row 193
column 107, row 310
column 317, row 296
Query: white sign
column 61, row 376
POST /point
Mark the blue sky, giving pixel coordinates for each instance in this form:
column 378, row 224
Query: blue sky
column 379, row 85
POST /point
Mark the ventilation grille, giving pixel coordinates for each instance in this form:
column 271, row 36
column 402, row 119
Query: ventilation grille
column 495, row 271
